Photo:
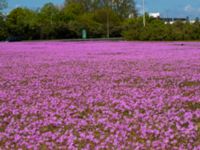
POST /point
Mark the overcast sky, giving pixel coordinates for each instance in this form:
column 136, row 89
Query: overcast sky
column 167, row 8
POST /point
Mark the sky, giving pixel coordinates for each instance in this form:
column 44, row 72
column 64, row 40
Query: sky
column 167, row 8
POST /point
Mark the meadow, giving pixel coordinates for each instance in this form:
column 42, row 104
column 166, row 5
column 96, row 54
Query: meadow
column 100, row 95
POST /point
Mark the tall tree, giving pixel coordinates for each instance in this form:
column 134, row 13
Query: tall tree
column 21, row 23
column 16, row 23
column 125, row 8
column 86, row 4
column 47, row 18
column 3, row 32
column 109, row 20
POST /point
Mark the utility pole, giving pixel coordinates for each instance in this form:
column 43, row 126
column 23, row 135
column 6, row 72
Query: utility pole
column 144, row 19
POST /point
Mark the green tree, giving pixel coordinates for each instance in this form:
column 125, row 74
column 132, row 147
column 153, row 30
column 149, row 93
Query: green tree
column 3, row 31
column 72, row 10
column 86, row 21
column 178, row 28
column 196, row 30
column 157, row 30
column 87, row 5
column 16, row 23
column 98, row 17
column 47, row 18
column 108, row 19
column 125, row 8
column 21, row 23
column 154, row 30
column 132, row 29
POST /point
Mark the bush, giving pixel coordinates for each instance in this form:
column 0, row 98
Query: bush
column 157, row 30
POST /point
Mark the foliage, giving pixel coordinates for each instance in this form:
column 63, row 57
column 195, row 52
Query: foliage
column 53, row 22
column 157, row 30
column 22, row 23
column 98, row 17
column 3, row 33
column 102, row 15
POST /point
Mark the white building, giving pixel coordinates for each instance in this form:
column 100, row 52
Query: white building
column 155, row 15
column 192, row 21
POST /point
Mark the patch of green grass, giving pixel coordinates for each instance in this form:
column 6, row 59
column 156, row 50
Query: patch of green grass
column 189, row 93
column 127, row 113
column 49, row 128
column 2, row 143
column 3, row 127
column 97, row 134
column 85, row 113
column 80, row 144
column 68, row 127
column 56, row 94
column 189, row 83
column 23, row 82
column 131, row 135
column 193, row 105
column 43, row 147
column 197, row 141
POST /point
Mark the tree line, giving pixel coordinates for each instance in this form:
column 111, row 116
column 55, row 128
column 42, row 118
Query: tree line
column 158, row 30
column 100, row 18
column 68, row 20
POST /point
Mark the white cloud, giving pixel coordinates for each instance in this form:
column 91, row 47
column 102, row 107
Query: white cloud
column 190, row 9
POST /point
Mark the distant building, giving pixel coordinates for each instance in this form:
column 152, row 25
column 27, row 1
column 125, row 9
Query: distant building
column 192, row 21
column 170, row 20
column 155, row 15
column 132, row 15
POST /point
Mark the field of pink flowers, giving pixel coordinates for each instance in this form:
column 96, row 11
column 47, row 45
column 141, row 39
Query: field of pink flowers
column 100, row 95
